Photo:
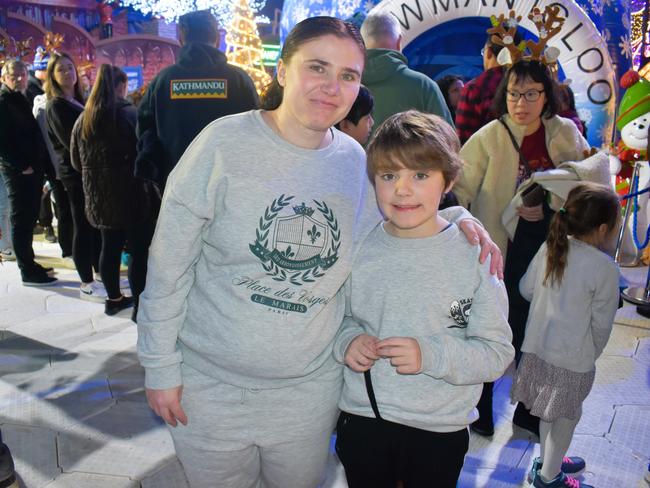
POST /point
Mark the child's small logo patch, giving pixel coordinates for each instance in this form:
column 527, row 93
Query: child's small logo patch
column 194, row 89
column 459, row 311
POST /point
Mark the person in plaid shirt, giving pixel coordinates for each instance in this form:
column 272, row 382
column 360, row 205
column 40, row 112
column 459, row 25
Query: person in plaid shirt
column 474, row 107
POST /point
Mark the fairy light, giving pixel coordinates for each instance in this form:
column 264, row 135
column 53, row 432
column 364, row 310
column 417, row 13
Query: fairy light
column 244, row 46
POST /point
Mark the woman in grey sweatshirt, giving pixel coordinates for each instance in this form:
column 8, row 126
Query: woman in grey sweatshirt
column 258, row 227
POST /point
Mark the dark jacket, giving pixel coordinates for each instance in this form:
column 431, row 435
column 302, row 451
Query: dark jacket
column 115, row 198
column 60, row 116
column 181, row 101
column 21, row 141
column 34, row 89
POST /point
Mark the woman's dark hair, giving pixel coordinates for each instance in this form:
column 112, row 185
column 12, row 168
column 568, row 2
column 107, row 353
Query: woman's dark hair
column 303, row 32
column 519, row 72
column 587, row 207
column 100, row 112
column 361, row 107
column 52, row 87
column 444, row 83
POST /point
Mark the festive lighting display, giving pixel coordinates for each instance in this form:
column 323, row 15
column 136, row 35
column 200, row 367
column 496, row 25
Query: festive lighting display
column 171, row 10
column 244, row 46
column 639, row 8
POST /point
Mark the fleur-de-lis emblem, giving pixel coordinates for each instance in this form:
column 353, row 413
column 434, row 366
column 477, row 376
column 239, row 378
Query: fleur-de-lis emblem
column 313, row 234
column 288, row 253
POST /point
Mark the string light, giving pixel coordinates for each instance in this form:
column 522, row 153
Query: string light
column 244, row 46
column 171, row 10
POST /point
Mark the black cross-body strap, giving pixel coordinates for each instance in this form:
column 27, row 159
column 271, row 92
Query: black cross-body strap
column 371, row 394
column 514, row 143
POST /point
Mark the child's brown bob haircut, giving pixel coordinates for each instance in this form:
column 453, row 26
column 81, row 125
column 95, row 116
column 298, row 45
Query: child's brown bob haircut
column 416, row 141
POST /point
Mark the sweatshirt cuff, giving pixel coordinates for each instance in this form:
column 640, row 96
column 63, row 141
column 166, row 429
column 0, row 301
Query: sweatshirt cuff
column 432, row 356
column 163, row 378
column 342, row 343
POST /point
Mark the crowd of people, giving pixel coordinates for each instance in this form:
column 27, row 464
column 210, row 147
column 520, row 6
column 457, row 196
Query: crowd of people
column 302, row 279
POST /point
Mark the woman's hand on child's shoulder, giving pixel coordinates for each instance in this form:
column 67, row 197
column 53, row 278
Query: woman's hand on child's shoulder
column 404, row 354
column 476, row 234
column 362, row 353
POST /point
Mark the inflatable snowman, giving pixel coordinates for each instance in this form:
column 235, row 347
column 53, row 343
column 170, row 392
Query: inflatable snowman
column 633, row 123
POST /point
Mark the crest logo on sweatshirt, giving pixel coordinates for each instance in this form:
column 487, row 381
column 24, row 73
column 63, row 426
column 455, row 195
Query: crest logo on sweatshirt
column 203, row 88
column 297, row 243
column 459, row 311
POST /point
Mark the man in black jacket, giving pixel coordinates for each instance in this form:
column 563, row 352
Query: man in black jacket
column 22, row 161
column 187, row 96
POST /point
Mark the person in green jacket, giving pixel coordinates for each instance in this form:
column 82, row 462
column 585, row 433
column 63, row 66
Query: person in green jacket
column 394, row 86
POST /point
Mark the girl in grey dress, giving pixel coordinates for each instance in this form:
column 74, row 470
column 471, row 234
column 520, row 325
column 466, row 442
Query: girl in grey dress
column 573, row 285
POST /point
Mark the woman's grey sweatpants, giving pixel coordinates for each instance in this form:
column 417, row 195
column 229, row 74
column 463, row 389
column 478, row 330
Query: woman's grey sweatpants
column 248, row 438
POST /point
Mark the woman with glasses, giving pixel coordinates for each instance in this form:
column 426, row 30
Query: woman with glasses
column 527, row 137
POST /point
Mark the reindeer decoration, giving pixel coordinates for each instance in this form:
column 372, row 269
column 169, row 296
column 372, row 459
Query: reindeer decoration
column 548, row 24
column 53, row 42
column 19, row 50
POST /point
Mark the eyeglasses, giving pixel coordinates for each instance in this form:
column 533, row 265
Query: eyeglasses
column 529, row 96
column 15, row 77
column 482, row 51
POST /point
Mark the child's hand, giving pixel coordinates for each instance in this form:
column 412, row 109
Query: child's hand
column 362, row 353
column 404, row 353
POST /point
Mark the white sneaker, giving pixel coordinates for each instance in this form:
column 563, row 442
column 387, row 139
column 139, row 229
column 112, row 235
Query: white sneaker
column 8, row 254
column 93, row 292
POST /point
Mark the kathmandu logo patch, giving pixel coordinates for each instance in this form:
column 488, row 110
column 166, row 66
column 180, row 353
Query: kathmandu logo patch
column 459, row 311
column 297, row 248
column 193, row 89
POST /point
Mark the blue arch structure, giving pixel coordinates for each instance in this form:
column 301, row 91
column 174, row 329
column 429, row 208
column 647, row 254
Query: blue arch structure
column 453, row 48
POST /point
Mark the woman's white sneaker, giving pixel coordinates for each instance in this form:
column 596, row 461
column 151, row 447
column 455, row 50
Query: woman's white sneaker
column 93, row 292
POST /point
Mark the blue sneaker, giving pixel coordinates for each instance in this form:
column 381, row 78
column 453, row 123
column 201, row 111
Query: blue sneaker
column 570, row 465
column 562, row 480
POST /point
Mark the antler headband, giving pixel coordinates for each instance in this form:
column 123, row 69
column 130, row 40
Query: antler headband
column 548, row 24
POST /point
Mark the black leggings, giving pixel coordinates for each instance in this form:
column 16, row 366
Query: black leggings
column 86, row 240
column 138, row 240
column 377, row 454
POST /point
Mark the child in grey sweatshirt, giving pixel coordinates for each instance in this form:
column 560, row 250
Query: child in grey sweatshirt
column 410, row 294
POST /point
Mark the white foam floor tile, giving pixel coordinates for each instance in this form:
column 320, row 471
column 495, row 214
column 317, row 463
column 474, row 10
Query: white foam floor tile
column 126, row 440
column 115, row 323
column 51, row 400
column 624, row 340
column 502, row 451
column 21, row 308
column 59, row 330
column 128, row 384
column 61, row 303
column 608, row 465
column 34, row 453
column 86, row 480
column 597, row 417
column 487, row 478
column 621, row 381
column 643, row 351
column 171, row 475
column 628, row 316
column 631, row 428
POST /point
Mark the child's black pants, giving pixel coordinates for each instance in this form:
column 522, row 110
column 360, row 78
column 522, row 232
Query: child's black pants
column 377, row 453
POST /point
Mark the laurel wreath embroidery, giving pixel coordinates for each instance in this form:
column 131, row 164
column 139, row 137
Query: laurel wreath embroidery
column 262, row 239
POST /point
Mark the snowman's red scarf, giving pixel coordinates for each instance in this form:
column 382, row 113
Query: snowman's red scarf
column 628, row 156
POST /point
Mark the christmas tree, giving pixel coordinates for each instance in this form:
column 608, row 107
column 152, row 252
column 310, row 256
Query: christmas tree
column 244, row 46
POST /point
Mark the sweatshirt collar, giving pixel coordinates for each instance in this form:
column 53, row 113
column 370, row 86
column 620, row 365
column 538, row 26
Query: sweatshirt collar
column 422, row 243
